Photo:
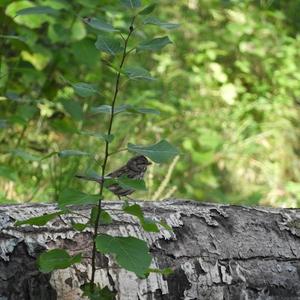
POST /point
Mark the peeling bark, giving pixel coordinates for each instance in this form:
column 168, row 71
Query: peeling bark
column 216, row 251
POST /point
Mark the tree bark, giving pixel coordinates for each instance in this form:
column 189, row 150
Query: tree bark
column 216, row 252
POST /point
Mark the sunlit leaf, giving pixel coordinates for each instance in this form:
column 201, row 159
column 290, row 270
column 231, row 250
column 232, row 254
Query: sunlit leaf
column 56, row 259
column 99, row 24
column 37, row 10
column 40, row 220
column 161, row 152
column 75, row 197
column 108, row 45
column 155, row 44
column 131, row 253
column 157, row 22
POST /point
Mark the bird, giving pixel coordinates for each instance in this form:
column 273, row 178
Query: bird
column 135, row 168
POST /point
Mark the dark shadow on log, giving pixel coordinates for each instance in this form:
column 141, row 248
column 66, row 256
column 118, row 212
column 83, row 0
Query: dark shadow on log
column 20, row 278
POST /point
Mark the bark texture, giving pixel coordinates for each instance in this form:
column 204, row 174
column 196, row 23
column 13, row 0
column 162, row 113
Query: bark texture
column 216, row 251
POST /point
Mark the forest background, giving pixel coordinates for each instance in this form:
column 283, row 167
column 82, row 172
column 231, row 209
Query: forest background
column 228, row 92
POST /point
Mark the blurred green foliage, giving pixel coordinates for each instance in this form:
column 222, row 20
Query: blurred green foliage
column 228, row 91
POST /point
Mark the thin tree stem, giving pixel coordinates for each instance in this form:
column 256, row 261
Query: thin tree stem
column 106, row 152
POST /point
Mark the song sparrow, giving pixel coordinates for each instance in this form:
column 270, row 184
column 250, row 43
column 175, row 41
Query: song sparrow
column 134, row 169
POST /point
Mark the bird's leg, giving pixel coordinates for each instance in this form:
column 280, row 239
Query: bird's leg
column 120, row 198
column 129, row 198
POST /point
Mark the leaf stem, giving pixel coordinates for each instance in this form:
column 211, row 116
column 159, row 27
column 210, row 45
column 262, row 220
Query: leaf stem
column 106, row 151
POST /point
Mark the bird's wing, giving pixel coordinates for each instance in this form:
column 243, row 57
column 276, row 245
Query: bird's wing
column 118, row 173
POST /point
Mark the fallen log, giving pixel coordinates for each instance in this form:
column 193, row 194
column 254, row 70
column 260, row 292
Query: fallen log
column 216, row 252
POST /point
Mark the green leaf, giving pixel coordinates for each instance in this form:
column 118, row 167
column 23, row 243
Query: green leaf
column 138, row 73
column 25, row 155
column 101, row 109
column 142, row 110
column 85, row 52
column 136, row 184
column 12, row 37
column 105, row 217
column 93, row 217
column 155, row 44
column 64, row 125
column 8, row 173
column 26, row 112
column 147, row 10
column 74, row 109
column 36, row 10
column 41, row 220
column 157, row 22
column 68, row 153
column 108, row 181
column 3, row 123
column 108, row 138
column 84, row 89
column 148, row 225
column 131, row 253
column 91, row 175
column 132, row 3
column 123, row 108
column 99, row 24
column 165, row 271
column 97, row 293
column 79, row 226
column 108, row 45
column 165, row 225
column 75, row 197
column 56, row 259
column 107, row 109
column 161, row 152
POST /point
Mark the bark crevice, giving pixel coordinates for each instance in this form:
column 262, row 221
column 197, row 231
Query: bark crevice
column 216, row 252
